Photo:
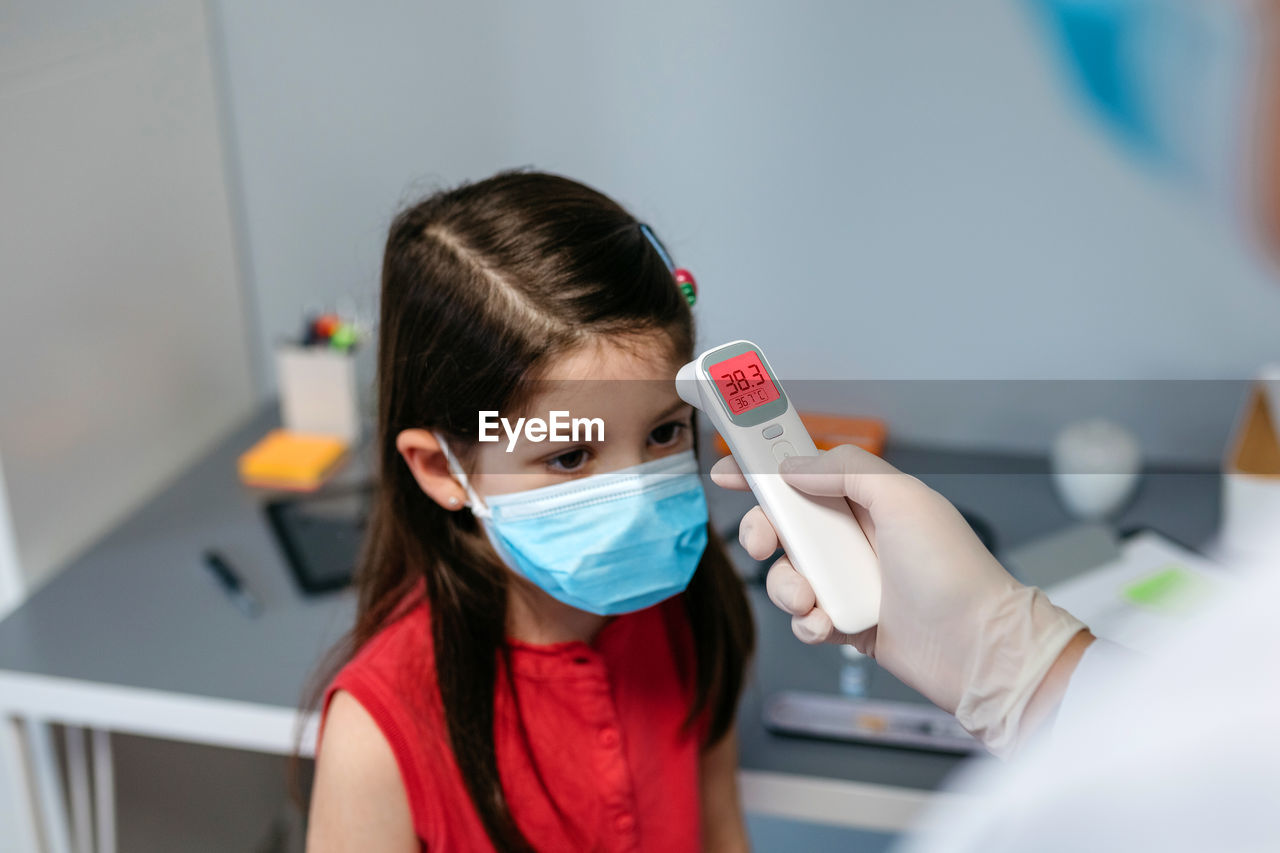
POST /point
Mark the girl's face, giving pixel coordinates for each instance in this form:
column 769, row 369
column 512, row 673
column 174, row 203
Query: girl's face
column 627, row 383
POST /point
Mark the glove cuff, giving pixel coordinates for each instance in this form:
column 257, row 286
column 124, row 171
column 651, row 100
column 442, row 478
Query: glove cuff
column 1019, row 642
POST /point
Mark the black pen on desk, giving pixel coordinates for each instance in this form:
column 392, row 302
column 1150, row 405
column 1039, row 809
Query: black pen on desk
column 231, row 584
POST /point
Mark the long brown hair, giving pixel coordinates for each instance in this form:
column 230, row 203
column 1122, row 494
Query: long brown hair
column 480, row 286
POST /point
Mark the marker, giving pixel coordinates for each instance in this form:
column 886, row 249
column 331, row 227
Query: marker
column 231, row 584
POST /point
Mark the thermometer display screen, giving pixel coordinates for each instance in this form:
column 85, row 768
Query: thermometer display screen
column 743, row 382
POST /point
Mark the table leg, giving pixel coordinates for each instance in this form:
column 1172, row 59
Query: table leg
column 104, row 790
column 17, row 789
column 48, row 786
column 78, row 785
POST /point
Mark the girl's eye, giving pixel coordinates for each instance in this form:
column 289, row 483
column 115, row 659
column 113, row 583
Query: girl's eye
column 569, row 462
column 667, row 434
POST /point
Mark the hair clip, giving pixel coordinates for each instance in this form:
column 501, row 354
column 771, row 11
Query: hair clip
column 689, row 287
column 684, row 278
column 658, row 247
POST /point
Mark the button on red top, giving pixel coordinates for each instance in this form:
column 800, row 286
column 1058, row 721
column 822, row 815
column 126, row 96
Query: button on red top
column 605, row 726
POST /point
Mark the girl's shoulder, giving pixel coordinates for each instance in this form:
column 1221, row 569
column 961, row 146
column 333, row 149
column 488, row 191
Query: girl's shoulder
column 398, row 662
column 393, row 677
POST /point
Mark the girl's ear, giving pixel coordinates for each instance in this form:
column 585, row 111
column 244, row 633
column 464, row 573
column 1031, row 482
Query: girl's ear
column 421, row 452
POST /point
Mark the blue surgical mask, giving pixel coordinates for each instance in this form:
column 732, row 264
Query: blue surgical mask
column 1176, row 79
column 610, row 543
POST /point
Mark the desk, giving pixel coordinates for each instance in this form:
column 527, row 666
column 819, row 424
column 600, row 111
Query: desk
column 135, row 637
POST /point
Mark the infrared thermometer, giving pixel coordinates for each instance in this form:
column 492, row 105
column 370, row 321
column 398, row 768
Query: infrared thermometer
column 735, row 387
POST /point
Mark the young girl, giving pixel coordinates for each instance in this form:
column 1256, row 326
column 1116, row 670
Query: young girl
column 550, row 642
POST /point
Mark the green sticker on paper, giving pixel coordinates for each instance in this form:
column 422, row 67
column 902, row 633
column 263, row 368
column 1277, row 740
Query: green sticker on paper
column 1172, row 589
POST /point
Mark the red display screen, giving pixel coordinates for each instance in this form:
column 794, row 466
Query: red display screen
column 744, row 383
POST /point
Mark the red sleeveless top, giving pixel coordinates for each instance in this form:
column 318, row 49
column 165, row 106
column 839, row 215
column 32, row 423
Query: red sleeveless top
column 605, row 728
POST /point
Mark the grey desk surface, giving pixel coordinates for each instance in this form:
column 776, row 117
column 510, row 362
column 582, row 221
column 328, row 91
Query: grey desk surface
column 139, row 610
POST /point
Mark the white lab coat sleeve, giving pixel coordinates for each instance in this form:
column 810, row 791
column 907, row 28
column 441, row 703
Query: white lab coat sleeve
column 1103, row 662
column 1178, row 751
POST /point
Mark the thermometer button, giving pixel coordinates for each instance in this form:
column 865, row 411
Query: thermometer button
column 772, row 431
column 782, row 450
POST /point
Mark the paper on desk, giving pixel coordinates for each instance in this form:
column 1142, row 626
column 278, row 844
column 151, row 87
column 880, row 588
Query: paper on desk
column 1155, row 586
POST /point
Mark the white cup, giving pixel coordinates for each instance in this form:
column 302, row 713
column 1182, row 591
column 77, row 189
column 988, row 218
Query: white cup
column 1096, row 466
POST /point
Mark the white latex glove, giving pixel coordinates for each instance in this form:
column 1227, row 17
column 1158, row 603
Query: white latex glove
column 954, row 624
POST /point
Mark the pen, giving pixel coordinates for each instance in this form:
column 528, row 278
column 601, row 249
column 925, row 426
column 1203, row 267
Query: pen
column 230, row 582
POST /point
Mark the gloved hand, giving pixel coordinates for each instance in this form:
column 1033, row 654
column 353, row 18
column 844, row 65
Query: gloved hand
column 954, row 624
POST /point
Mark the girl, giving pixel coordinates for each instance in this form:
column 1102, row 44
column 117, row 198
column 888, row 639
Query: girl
column 550, row 642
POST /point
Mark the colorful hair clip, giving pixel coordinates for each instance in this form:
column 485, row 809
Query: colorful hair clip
column 658, row 247
column 684, row 278
column 687, row 285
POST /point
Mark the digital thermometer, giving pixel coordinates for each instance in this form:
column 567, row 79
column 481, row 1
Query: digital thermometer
column 734, row 386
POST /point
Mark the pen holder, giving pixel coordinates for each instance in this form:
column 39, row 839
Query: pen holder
column 322, row 390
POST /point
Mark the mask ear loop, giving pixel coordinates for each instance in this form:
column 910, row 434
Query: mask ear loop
column 474, row 503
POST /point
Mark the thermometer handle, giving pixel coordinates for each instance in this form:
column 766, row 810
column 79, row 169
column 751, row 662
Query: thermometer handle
column 821, row 536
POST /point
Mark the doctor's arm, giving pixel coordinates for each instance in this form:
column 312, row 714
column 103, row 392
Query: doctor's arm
column 954, row 624
column 1053, row 688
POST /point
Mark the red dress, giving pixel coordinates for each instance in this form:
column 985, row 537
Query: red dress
column 605, row 726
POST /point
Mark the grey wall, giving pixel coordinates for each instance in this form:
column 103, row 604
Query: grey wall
column 123, row 344
column 122, row 354
column 869, row 190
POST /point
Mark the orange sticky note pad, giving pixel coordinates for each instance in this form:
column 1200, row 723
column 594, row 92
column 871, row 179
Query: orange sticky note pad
column 291, row 460
column 828, row 431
